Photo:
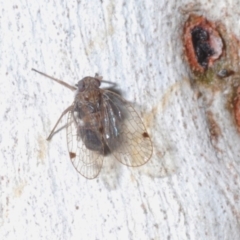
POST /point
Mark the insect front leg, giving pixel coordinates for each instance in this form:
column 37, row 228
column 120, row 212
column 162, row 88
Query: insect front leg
column 53, row 130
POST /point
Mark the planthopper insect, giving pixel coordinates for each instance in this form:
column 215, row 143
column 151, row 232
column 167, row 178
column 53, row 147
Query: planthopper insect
column 100, row 122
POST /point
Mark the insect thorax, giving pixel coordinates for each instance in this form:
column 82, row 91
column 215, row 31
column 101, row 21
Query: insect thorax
column 87, row 116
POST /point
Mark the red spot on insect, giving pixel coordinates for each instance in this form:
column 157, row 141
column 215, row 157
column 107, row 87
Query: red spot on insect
column 236, row 108
column 72, row 155
column 145, row 135
column 202, row 42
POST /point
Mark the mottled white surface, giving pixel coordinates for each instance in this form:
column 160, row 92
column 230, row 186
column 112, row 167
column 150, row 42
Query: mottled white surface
column 190, row 188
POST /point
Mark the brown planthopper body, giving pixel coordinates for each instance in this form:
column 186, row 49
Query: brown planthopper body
column 100, row 122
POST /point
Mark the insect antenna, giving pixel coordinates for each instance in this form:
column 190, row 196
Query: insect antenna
column 108, row 82
column 56, row 80
column 99, row 78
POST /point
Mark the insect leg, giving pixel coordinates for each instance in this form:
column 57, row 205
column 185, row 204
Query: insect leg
column 53, row 131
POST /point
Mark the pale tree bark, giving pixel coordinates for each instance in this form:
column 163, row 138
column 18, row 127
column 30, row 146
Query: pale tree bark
column 190, row 187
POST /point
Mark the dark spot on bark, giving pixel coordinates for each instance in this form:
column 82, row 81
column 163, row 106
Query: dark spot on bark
column 224, row 73
column 202, row 48
column 101, row 129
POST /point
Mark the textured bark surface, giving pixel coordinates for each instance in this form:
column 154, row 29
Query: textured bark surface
column 189, row 189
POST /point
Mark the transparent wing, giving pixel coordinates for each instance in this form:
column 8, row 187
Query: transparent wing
column 87, row 162
column 124, row 131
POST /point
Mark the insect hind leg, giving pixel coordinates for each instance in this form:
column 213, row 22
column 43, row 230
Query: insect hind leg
column 53, row 130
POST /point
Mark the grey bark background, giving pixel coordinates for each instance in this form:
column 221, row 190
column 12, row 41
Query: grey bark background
column 189, row 189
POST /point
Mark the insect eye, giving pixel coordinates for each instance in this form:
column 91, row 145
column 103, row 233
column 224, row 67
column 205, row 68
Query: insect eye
column 81, row 86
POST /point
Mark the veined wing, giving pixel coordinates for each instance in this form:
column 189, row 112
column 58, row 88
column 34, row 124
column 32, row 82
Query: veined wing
column 124, row 131
column 87, row 162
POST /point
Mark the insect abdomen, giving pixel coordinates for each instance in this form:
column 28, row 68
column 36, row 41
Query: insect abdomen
column 91, row 139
